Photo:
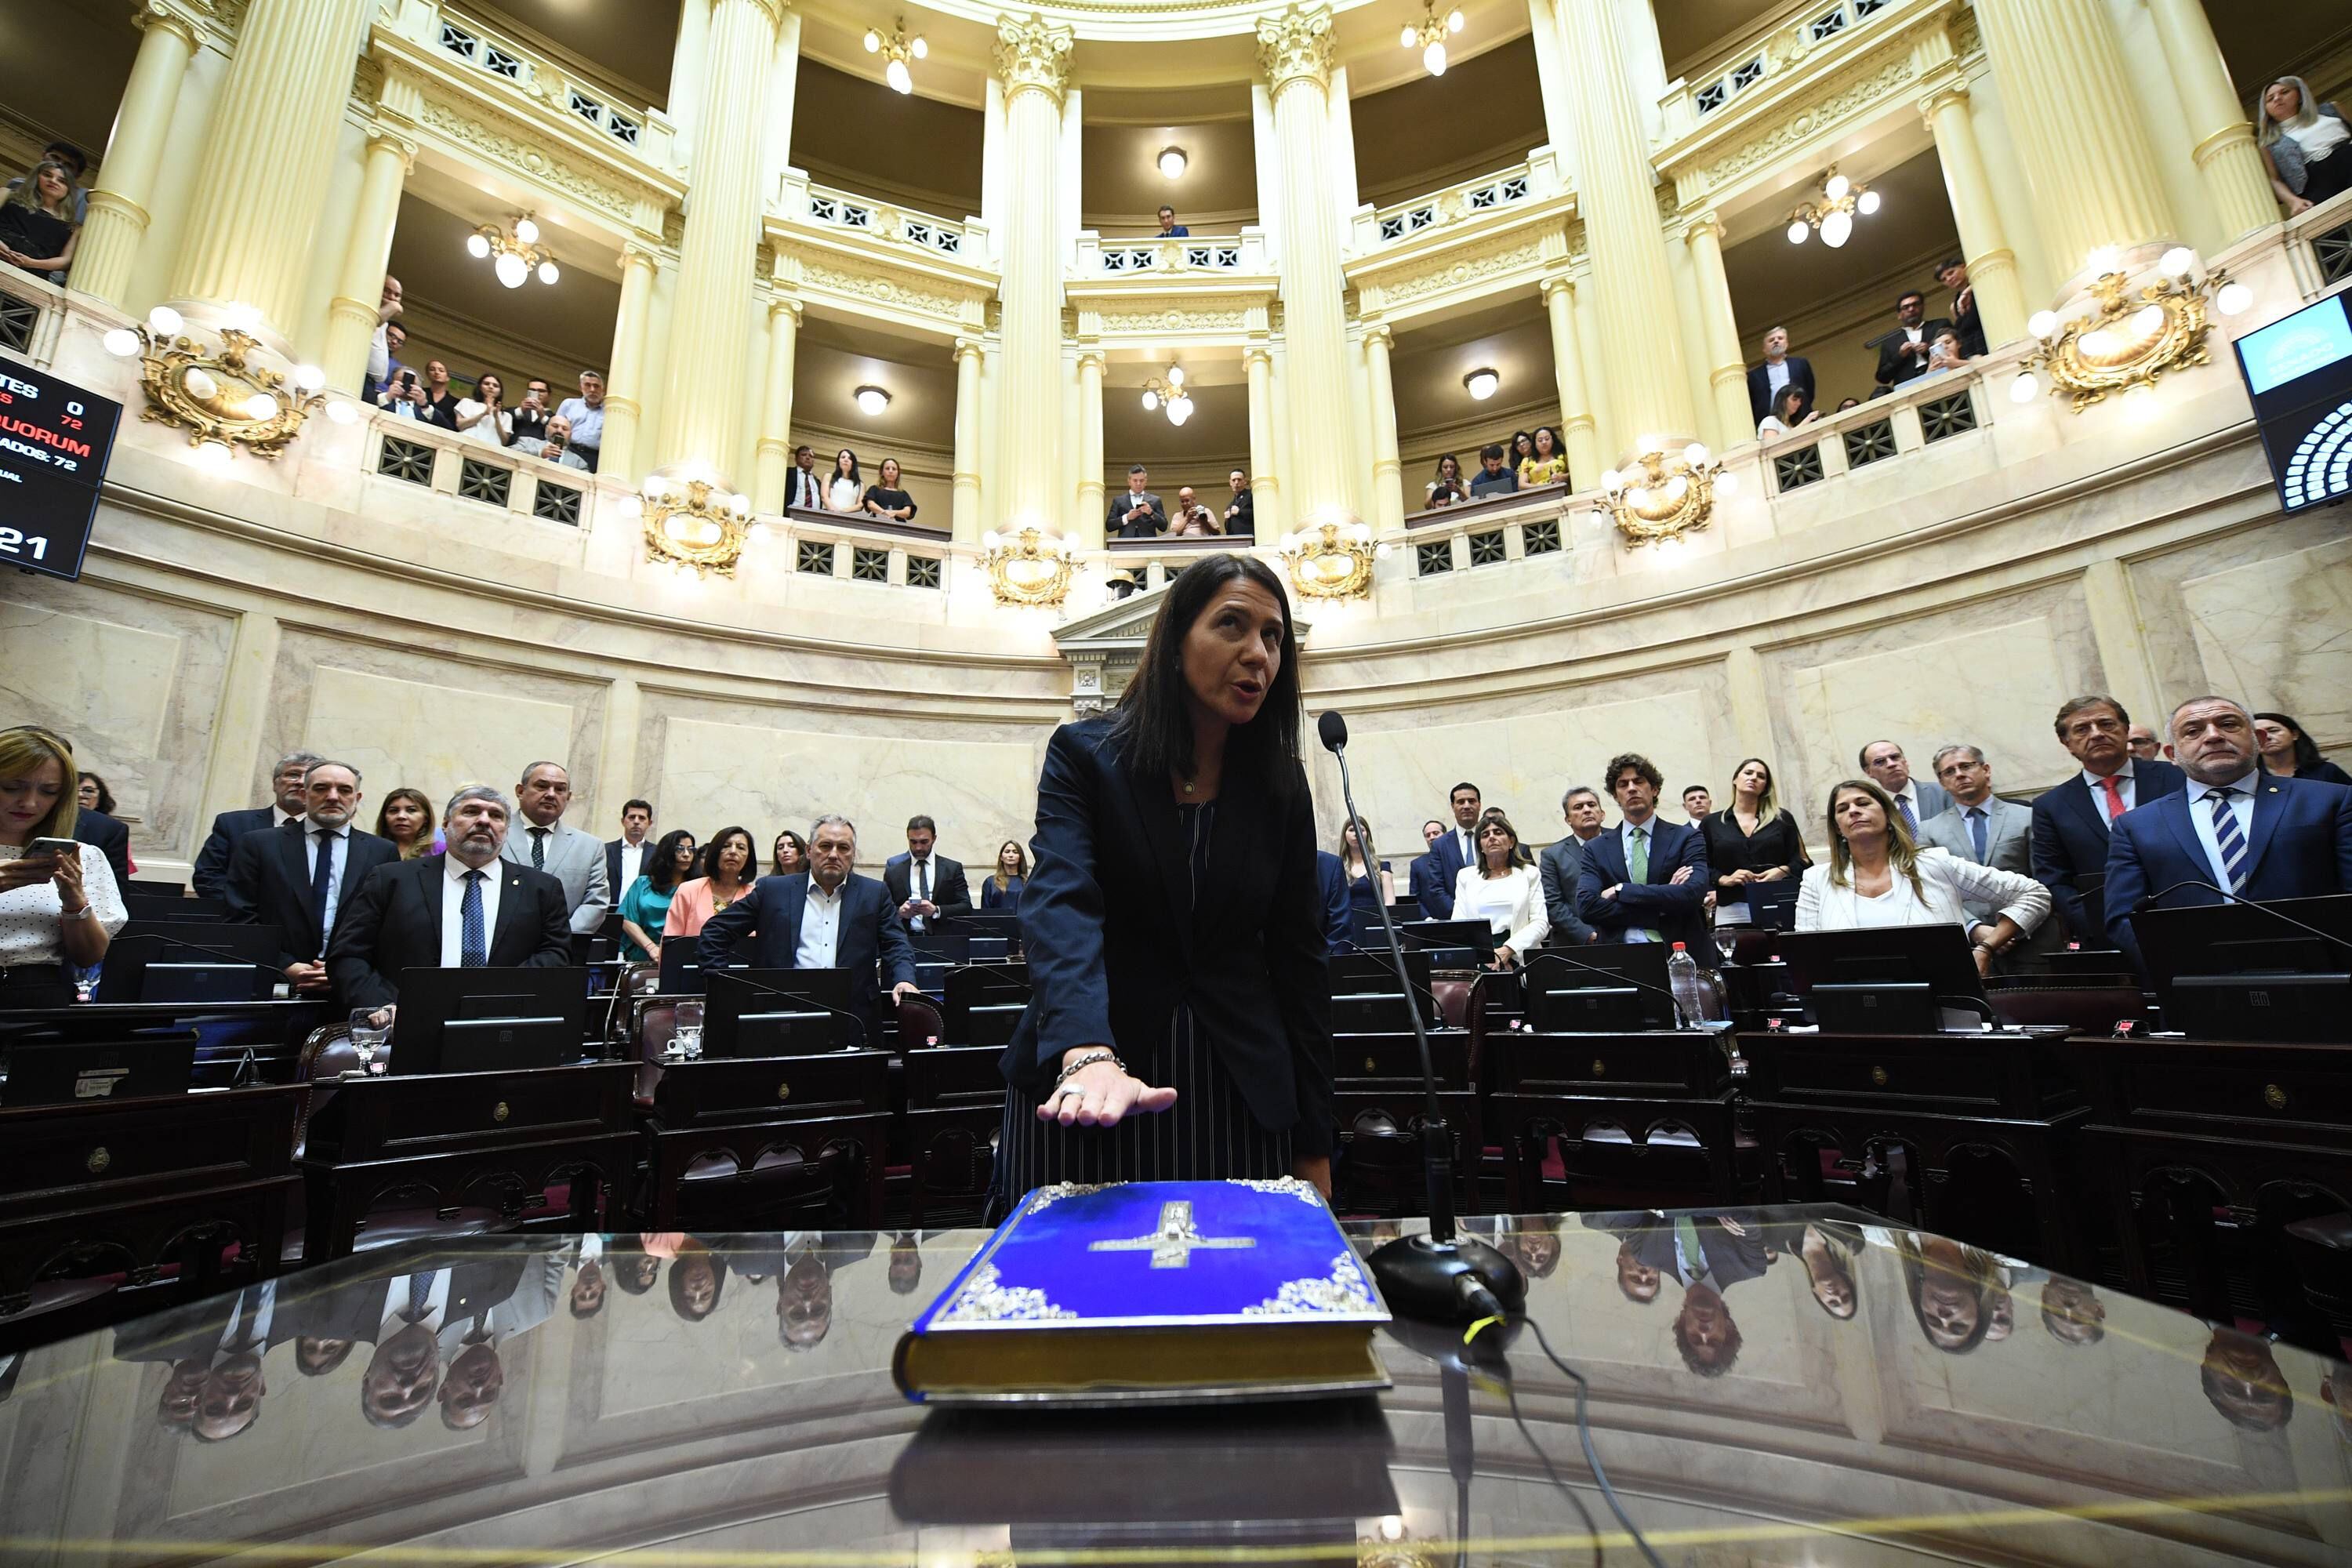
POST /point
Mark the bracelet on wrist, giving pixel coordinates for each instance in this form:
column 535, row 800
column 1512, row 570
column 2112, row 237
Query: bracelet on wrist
column 1086, row 1060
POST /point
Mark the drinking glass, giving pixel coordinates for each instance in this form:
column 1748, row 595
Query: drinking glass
column 1727, row 940
column 370, row 1028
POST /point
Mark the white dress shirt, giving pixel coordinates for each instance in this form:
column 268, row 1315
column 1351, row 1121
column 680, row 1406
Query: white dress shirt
column 2122, row 777
column 632, row 864
column 2200, row 817
column 313, row 836
column 820, row 927
column 453, row 909
column 396, row 1303
column 1776, row 376
column 1467, row 839
column 922, row 882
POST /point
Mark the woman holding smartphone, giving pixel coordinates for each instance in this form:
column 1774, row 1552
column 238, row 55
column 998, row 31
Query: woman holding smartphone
column 59, row 903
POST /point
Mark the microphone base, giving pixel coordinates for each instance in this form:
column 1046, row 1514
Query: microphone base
column 1429, row 1280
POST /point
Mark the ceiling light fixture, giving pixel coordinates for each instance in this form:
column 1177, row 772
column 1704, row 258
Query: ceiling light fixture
column 1482, row 384
column 896, row 48
column 517, row 254
column 1172, row 162
column 1429, row 36
column 872, row 401
column 1842, row 199
column 1167, row 395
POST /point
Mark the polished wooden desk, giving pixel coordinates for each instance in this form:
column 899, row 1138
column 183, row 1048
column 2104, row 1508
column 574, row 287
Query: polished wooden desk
column 1568, row 1087
column 737, row 1132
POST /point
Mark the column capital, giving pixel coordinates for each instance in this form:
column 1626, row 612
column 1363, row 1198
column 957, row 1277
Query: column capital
column 785, row 305
column 1296, row 46
column 1090, row 358
column 1702, row 223
column 1560, row 283
column 172, row 19
column 1033, row 53
column 1257, row 354
column 1942, row 94
column 394, row 142
column 773, row 10
column 639, row 253
column 970, row 349
column 1380, row 333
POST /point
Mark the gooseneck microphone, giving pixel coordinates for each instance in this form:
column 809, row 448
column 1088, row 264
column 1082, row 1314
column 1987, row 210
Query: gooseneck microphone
column 1441, row 1277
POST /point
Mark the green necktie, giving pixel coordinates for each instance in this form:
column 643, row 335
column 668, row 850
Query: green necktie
column 1637, row 864
column 1693, row 1254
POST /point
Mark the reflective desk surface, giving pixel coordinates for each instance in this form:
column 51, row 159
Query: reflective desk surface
column 1832, row 1391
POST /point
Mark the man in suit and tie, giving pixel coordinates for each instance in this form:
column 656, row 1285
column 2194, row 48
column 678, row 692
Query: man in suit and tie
column 1979, row 825
column 1648, row 881
column 1917, row 799
column 803, row 490
column 1704, row 1254
column 1780, row 368
column 547, row 843
column 1138, row 514
column 925, row 885
column 624, row 857
column 2071, row 820
column 464, row 908
column 1421, row 877
column 824, row 918
column 211, row 873
column 215, row 1350
column 1903, row 353
column 1561, row 867
column 421, row 1316
column 1457, row 846
column 297, row 878
column 2260, row 836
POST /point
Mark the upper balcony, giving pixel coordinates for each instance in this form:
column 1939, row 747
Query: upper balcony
column 1488, row 235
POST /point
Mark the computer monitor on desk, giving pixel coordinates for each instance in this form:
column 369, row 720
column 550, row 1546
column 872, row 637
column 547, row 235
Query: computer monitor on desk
column 489, row 1020
column 194, row 961
column 1615, row 988
column 778, row 1013
column 1888, row 980
column 2247, row 972
column 1457, row 945
column 681, row 966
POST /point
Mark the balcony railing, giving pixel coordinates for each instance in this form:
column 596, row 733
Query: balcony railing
column 1924, row 413
column 1240, row 253
column 801, row 199
column 481, row 48
column 403, row 451
column 32, row 310
column 1791, row 36
column 1535, row 180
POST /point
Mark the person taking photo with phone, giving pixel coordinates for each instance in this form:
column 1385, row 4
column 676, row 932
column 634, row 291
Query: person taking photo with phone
column 59, row 903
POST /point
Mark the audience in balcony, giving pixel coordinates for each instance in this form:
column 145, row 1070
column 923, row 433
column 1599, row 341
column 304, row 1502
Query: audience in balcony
column 483, row 416
column 533, row 413
column 556, row 445
column 381, row 345
column 1449, row 486
column 1780, row 368
column 1944, row 353
column 1002, row 889
column 1523, row 446
column 2303, row 141
column 405, row 819
column 75, row 163
column 586, row 413
column 1170, row 228
column 1494, row 479
column 1954, row 275
column 1241, row 511
column 1137, row 513
column 403, row 392
column 1792, row 408
column 889, row 500
column 1846, row 403
column 1546, row 462
column 2286, row 752
column 804, row 491
column 36, row 224
column 1192, row 520
column 1902, row 353
column 846, row 492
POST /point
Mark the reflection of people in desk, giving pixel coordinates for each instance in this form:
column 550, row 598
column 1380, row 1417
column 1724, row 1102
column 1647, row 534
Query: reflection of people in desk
column 697, row 1275
column 2072, row 1311
column 1956, row 1291
column 216, row 1388
column 629, row 1266
column 906, row 1263
column 1535, row 1243
column 1826, row 1250
column 2242, row 1381
column 803, row 1267
column 423, row 1314
column 588, row 1289
column 1706, row 1255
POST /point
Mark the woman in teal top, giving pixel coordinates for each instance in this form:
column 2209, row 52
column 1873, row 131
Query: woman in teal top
column 644, row 908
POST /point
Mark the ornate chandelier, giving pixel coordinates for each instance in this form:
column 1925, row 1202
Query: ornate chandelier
column 1168, row 393
column 896, row 49
column 517, row 254
column 1429, row 36
column 1841, row 200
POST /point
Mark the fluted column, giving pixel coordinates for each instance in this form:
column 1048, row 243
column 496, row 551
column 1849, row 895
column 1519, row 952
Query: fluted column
column 1727, row 372
column 1092, row 503
column 625, row 374
column 1640, row 346
column 712, row 317
column 1579, row 433
column 1993, row 266
column 689, row 56
column 1388, row 483
column 1033, row 58
column 253, row 206
column 2092, row 170
column 2228, row 161
column 359, row 291
column 1294, row 50
column 772, row 465
column 126, row 180
column 1266, row 484
column 966, row 518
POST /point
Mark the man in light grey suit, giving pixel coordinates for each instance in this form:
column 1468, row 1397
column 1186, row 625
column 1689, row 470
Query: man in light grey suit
column 1979, row 825
column 1562, row 866
column 547, row 843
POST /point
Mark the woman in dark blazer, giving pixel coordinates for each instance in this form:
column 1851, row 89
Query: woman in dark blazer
column 1753, row 839
column 1178, row 1026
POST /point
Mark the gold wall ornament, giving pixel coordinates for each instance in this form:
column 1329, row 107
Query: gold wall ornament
column 693, row 523
column 1662, row 495
column 1332, row 560
column 224, row 396
column 1028, row 567
column 2134, row 335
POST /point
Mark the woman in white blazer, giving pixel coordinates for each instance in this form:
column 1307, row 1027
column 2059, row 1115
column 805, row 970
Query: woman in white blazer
column 1878, row 876
column 1503, row 890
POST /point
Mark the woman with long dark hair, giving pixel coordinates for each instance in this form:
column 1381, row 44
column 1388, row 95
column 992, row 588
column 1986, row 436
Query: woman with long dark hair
column 2285, row 751
column 644, row 908
column 730, row 864
column 1002, row 890
column 846, row 492
column 1178, row 1026
column 789, row 855
column 407, row 818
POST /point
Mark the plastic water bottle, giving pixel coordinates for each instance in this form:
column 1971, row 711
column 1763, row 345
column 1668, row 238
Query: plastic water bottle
column 1690, row 999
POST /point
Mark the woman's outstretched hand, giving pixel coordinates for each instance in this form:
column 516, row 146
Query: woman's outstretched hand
column 1101, row 1093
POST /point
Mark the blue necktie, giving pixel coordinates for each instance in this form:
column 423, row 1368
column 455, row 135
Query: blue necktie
column 1909, row 819
column 1977, row 831
column 322, row 879
column 420, row 1287
column 2231, row 842
column 473, row 942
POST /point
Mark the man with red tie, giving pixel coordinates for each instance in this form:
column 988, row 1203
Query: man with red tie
column 2070, row 822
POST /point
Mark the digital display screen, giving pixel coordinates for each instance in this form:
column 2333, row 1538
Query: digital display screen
column 2298, row 371
column 55, row 438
